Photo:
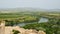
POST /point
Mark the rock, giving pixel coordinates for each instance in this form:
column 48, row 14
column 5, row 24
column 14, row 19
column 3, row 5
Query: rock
column 41, row 32
column 23, row 31
column 31, row 31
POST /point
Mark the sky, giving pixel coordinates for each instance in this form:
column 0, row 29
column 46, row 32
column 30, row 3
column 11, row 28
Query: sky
column 43, row 4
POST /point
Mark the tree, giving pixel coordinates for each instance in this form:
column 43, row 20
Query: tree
column 15, row 31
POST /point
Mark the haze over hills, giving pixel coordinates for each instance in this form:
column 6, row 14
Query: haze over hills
column 13, row 10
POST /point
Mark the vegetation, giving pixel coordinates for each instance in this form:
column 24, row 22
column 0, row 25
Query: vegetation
column 15, row 31
column 23, row 19
column 50, row 27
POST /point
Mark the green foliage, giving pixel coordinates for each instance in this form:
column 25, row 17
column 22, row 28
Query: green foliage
column 22, row 19
column 15, row 31
column 49, row 28
column 52, row 27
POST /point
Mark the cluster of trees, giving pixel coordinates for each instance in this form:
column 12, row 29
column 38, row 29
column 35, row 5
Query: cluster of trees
column 52, row 27
column 23, row 19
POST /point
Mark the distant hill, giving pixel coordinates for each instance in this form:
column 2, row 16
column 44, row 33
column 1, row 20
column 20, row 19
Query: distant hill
column 14, row 10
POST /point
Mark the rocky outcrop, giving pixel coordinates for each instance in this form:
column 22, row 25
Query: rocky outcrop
column 8, row 30
column 27, row 31
column 2, row 27
column 41, row 32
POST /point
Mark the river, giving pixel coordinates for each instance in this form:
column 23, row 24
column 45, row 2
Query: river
column 42, row 20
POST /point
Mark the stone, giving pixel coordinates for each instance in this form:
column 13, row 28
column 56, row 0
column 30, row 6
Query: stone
column 41, row 32
column 2, row 27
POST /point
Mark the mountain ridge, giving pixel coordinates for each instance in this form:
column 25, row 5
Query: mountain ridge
column 28, row 9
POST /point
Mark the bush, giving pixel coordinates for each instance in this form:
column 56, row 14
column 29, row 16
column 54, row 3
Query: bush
column 15, row 31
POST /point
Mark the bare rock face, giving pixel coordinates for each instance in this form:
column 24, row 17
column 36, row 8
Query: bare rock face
column 2, row 27
column 23, row 31
column 41, row 32
column 30, row 31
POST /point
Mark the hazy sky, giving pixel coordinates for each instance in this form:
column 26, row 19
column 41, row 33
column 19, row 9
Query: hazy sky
column 44, row 4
